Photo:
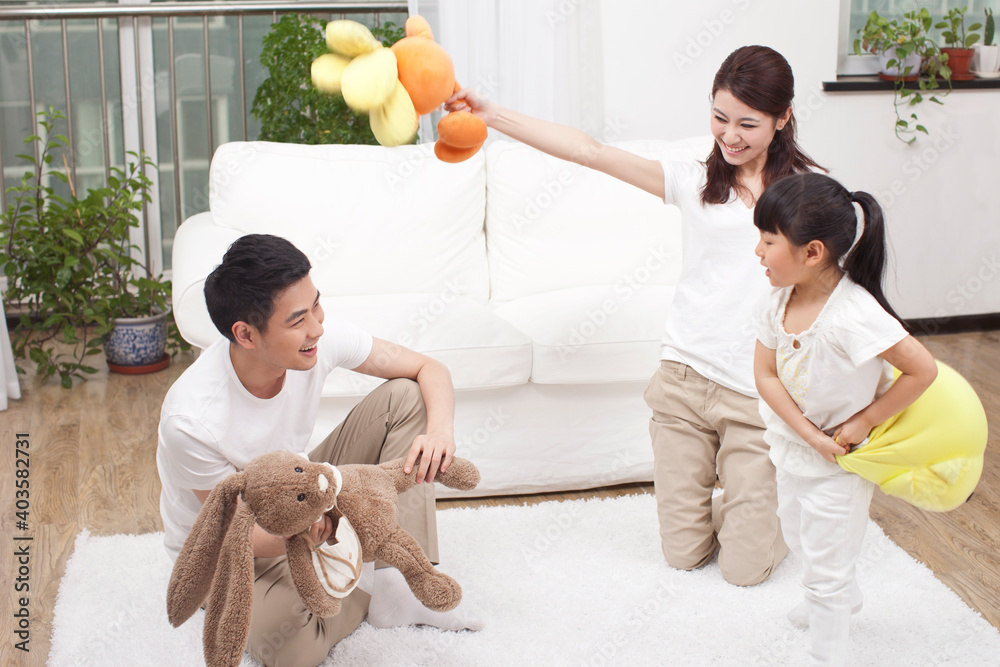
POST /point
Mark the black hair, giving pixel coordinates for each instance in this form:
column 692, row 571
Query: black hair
column 253, row 271
column 761, row 78
column 814, row 207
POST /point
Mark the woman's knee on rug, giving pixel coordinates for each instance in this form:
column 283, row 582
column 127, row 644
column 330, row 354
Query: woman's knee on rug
column 744, row 563
column 691, row 552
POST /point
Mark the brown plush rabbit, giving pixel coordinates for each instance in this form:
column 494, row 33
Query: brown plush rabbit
column 286, row 493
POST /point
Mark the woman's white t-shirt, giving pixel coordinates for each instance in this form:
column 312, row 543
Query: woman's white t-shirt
column 709, row 321
column 833, row 373
column 211, row 426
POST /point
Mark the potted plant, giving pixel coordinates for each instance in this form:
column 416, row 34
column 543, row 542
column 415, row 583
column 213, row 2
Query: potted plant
column 71, row 270
column 909, row 58
column 900, row 46
column 959, row 43
column 986, row 61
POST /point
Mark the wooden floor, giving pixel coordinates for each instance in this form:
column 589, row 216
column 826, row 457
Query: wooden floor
column 92, row 465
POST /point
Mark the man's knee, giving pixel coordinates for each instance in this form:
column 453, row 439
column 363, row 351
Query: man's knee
column 401, row 386
column 404, row 393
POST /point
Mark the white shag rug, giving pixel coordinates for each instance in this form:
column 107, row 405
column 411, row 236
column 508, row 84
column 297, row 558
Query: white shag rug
column 579, row 583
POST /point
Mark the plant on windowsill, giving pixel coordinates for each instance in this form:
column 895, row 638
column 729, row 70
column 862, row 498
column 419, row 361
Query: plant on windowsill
column 289, row 107
column 986, row 61
column 958, row 43
column 71, row 272
column 908, row 57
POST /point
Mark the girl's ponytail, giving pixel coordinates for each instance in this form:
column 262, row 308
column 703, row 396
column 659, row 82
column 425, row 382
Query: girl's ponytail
column 865, row 263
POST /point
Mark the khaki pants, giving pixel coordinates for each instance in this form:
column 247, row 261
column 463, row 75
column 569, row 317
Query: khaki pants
column 380, row 428
column 702, row 430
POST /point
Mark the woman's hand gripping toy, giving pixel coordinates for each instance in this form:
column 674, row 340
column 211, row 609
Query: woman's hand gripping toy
column 286, row 494
column 930, row 454
column 396, row 86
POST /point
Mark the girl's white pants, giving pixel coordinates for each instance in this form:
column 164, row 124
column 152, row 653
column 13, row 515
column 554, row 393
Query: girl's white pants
column 823, row 520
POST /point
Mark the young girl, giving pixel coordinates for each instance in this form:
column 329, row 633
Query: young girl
column 705, row 424
column 826, row 340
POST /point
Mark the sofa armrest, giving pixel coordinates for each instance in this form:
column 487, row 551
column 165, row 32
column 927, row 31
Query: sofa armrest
column 199, row 245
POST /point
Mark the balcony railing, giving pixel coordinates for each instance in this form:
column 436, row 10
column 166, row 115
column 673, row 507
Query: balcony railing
column 169, row 79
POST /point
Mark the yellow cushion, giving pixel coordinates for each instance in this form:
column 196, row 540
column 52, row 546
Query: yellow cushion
column 931, row 454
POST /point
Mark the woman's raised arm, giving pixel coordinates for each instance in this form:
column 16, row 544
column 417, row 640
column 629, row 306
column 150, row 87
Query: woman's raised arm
column 563, row 142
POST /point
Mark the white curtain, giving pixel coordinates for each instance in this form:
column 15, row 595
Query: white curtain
column 540, row 57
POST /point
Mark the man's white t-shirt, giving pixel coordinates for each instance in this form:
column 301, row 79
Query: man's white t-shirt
column 211, row 426
column 709, row 321
column 833, row 373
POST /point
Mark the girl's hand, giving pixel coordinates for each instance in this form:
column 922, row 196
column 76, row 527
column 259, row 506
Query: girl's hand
column 853, row 431
column 828, row 447
column 471, row 100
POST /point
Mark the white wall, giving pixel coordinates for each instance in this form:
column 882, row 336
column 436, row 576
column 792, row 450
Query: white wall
column 941, row 194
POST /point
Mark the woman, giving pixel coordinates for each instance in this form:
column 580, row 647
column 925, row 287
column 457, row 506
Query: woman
column 705, row 421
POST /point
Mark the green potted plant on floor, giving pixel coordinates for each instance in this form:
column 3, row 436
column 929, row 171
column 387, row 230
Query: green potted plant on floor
column 71, row 270
column 908, row 57
column 959, row 43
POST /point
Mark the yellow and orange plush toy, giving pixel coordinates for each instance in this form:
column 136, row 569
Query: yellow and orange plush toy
column 397, row 85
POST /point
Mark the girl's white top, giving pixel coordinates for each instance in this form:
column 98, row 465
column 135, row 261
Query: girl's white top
column 831, row 370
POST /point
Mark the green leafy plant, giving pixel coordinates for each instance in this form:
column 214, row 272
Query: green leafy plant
column 897, row 40
column 953, row 29
column 70, row 264
column 989, row 29
column 288, row 106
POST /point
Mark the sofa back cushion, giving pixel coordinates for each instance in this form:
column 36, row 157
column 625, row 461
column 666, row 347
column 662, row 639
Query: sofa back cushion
column 372, row 220
column 554, row 225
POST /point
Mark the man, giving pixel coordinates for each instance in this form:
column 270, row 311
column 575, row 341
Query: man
column 258, row 390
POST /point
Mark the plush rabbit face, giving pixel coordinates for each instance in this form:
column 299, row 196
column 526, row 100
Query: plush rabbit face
column 293, row 493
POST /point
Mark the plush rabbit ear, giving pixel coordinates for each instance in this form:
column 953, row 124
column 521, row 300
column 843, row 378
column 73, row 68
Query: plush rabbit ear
column 230, row 603
column 195, row 566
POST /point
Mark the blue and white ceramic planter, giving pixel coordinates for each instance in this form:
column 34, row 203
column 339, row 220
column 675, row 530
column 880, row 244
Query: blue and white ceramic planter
column 137, row 341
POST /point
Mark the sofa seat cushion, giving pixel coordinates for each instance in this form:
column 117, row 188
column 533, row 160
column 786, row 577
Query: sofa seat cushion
column 480, row 349
column 592, row 334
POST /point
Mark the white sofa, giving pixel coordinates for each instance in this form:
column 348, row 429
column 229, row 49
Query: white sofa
column 542, row 285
